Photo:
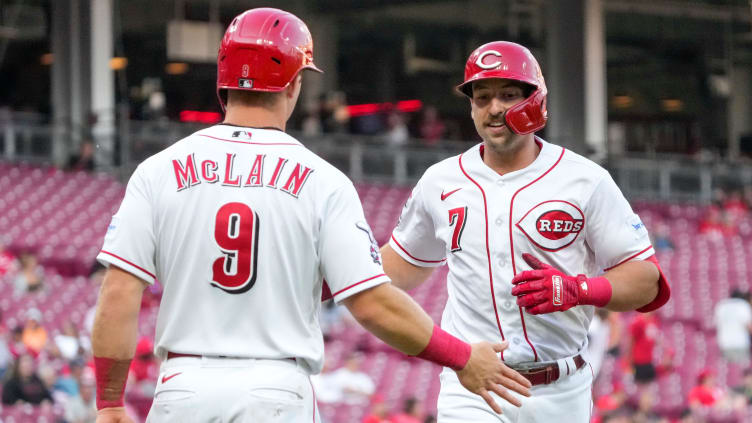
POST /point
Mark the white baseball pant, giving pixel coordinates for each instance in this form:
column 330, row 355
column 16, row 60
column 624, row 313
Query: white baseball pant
column 567, row 399
column 238, row 390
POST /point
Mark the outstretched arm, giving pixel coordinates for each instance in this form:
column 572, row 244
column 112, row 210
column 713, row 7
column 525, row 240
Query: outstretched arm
column 114, row 340
column 634, row 284
column 398, row 320
column 404, row 275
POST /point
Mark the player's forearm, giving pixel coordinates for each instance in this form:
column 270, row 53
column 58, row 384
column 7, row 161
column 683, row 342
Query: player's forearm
column 116, row 319
column 404, row 275
column 634, row 284
column 114, row 334
column 393, row 317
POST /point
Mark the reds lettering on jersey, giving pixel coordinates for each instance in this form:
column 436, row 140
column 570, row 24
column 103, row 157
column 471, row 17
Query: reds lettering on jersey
column 562, row 208
column 241, row 226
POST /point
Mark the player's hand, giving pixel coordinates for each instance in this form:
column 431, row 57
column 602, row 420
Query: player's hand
column 485, row 372
column 113, row 415
column 546, row 289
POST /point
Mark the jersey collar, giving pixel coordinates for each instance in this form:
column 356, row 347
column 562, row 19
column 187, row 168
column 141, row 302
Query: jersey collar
column 248, row 134
column 548, row 155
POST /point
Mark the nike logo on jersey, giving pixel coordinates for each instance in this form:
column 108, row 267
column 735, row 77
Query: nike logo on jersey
column 444, row 196
column 166, row 378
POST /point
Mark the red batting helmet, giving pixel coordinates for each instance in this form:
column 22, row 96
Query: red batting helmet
column 263, row 50
column 502, row 59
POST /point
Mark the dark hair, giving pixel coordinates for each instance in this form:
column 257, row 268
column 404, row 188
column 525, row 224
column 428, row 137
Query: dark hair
column 410, row 404
column 738, row 293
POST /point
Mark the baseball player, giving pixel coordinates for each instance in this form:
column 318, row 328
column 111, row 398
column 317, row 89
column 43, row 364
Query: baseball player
column 535, row 237
column 241, row 224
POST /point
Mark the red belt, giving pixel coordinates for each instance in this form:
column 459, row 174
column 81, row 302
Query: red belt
column 550, row 373
column 171, row 354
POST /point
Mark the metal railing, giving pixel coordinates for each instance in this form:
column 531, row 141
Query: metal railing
column 667, row 178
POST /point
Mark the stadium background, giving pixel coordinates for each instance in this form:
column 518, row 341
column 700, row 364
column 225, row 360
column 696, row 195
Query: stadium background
column 657, row 91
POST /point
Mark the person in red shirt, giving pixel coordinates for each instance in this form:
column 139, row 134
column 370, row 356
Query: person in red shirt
column 8, row 261
column 411, row 412
column 705, row 394
column 644, row 334
column 378, row 411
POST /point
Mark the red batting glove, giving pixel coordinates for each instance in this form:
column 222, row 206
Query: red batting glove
column 547, row 289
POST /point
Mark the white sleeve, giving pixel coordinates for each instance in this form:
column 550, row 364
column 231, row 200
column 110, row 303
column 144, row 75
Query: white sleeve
column 414, row 238
column 350, row 258
column 130, row 242
column 612, row 230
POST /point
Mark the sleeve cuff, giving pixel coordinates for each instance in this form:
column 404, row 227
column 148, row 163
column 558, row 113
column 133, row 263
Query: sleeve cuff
column 642, row 255
column 396, row 246
column 359, row 286
column 664, row 290
column 107, row 258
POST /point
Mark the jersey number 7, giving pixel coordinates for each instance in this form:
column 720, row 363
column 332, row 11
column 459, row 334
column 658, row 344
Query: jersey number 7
column 236, row 230
column 457, row 218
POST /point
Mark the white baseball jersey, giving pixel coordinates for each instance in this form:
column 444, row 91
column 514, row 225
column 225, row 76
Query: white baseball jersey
column 240, row 226
column 562, row 208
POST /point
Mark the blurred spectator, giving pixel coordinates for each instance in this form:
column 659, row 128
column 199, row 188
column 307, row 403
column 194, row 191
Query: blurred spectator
column 706, row 393
column 34, row 335
column 432, row 129
column 598, row 339
column 6, row 357
column 84, row 160
column 643, row 335
column 396, row 133
column 621, row 415
column 430, row 419
column 70, row 379
column 733, row 322
column 144, row 368
column 716, row 224
column 333, row 112
column 15, row 343
column 8, row 261
column 355, row 385
column 378, row 412
column 662, row 237
column 686, row 416
column 644, row 412
column 68, row 343
column 81, row 408
column 24, row 385
column 411, row 412
column 744, row 391
column 30, row 276
column 347, row 384
column 735, row 206
column 311, row 124
column 611, row 402
column 48, row 376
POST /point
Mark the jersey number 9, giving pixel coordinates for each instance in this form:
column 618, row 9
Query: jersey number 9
column 236, row 230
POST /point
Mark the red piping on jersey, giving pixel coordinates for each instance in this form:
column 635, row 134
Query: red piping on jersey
column 413, row 257
column 357, row 283
column 248, row 142
column 314, row 399
column 488, row 252
column 511, row 242
column 132, row 264
column 628, row 258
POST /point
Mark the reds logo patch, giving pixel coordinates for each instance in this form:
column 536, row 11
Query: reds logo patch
column 552, row 225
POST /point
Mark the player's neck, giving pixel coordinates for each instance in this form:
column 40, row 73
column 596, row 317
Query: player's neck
column 256, row 117
column 510, row 160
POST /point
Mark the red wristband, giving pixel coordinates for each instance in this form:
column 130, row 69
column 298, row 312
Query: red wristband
column 111, row 375
column 446, row 350
column 594, row 291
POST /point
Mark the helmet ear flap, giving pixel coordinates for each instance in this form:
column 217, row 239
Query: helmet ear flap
column 529, row 115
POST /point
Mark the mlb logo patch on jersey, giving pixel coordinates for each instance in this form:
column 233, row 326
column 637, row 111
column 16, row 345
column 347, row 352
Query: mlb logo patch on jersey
column 552, row 225
column 112, row 227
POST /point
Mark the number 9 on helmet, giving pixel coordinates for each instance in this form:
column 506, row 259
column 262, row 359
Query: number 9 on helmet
column 263, row 49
